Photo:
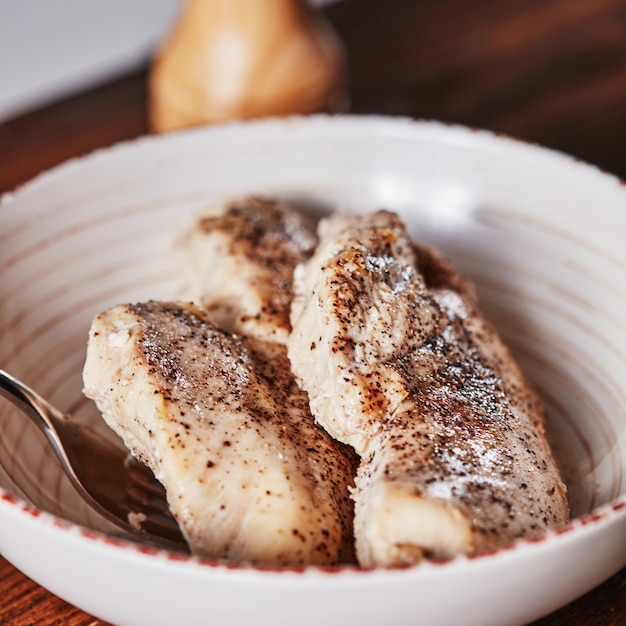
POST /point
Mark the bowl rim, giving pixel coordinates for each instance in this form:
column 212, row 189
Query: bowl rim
column 386, row 123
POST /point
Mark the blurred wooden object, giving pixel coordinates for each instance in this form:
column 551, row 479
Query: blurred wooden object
column 237, row 59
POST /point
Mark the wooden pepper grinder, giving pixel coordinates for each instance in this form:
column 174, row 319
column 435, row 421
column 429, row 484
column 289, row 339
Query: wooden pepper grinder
column 239, row 59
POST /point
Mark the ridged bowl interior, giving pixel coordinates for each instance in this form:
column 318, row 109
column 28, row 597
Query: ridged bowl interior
column 542, row 236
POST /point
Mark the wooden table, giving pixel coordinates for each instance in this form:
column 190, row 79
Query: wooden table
column 547, row 71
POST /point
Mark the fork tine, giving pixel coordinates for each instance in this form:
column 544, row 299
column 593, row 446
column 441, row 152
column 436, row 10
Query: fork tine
column 124, row 493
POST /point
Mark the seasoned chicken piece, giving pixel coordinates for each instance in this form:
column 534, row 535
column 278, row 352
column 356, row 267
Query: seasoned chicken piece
column 454, row 457
column 219, row 419
column 238, row 260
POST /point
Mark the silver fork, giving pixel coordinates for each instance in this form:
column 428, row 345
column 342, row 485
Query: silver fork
column 115, row 485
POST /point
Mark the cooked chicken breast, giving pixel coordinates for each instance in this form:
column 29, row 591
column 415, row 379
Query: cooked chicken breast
column 238, row 261
column 398, row 362
column 219, row 419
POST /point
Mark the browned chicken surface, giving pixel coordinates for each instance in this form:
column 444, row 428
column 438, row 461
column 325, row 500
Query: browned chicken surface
column 238, row 261
column 399, row 363
column 249, row 475
column 389, row 352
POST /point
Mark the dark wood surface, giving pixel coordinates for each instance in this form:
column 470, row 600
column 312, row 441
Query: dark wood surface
column 546, row 71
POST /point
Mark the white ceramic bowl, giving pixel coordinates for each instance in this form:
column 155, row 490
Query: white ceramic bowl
column 543, row 237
